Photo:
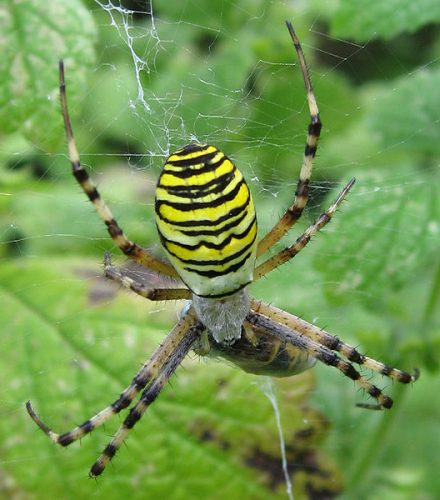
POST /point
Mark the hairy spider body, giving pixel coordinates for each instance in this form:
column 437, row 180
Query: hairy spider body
column 223, row 317
column 206, row 222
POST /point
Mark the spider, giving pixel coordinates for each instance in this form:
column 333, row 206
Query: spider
column 207, row 226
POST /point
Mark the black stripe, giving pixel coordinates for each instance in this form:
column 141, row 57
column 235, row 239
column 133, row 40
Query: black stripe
column 87, row 426
column 374, row 391
column 193, row 206
column 302, row 189
column 66, row 439
column 214, row 274
column 207, row 222
column 225, row 294
column 80, row 173
column 349, row 370
column 192, row 172
column 194, row 147
column 110, row 450
column 197, row 160
column 132, row 418
column 93, row 194
column 310, row 150
column 215, row 232
column 199, row 190
column 355, row 356
column 121, row 403
column 208, row 244
column 315, row 126
column 215, row 262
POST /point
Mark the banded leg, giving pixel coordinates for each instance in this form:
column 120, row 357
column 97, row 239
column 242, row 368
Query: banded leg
column 148, row 396
column 290, row 252
column 323, row 354
column 331, row 342
column 141, row 289
column 128, row 247
column 146, row 375
column 293, row 213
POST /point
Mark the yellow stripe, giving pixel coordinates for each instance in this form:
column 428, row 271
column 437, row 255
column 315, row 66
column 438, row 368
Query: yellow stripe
column 205, row 253
column 168, row 179
column 170, row 232
column 163, row 195
column 213, row 213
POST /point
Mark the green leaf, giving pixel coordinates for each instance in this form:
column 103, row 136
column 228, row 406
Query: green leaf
column 73, row 226
column 387, row 231
column 35, row 35
column 74, row 343
column 363, row 20
column 406, row 113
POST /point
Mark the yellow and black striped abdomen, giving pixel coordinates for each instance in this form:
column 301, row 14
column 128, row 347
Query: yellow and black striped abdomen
column 206, row 220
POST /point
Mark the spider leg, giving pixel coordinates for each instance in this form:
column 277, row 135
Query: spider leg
column 182, row 345
column 290, row 252
column 149, row 372
column 128, row 247
column 331, row 342
column 323, row 354
column 293, row 213
column 141, row 289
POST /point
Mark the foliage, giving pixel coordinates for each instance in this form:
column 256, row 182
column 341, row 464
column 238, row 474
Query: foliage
column 35, row 35
column 224, row 73
column 364, row 20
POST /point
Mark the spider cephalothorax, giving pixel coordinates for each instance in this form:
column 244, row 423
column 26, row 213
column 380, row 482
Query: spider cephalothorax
column 207, row 225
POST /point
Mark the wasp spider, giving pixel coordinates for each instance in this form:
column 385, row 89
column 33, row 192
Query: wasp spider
column 207, row 225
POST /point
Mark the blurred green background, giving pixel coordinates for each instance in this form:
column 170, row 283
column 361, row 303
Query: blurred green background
column 142, row 81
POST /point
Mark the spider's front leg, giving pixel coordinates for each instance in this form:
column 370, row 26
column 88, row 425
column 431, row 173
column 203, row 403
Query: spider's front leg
column 294, row 212
column 128, row 247
column 290, row 252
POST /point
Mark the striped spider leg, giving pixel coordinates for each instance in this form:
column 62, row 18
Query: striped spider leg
column 282, row 344
column 128, row 247
column 140, row 288
column 320, row 345
column 293, row 213
column 288, row 253
column 207, row 225
column 151, row 378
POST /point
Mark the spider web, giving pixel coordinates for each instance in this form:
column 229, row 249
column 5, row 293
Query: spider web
column 140, row 115
column 227, row 117
column 264, row 134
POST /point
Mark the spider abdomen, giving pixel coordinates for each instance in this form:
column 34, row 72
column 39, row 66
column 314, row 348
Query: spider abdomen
column 206, row 221
column 260, row 352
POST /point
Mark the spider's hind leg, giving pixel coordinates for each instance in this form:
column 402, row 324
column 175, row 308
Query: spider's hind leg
column 332, row 342
column 321, row 353
column 181, row 346
column 146, row 376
